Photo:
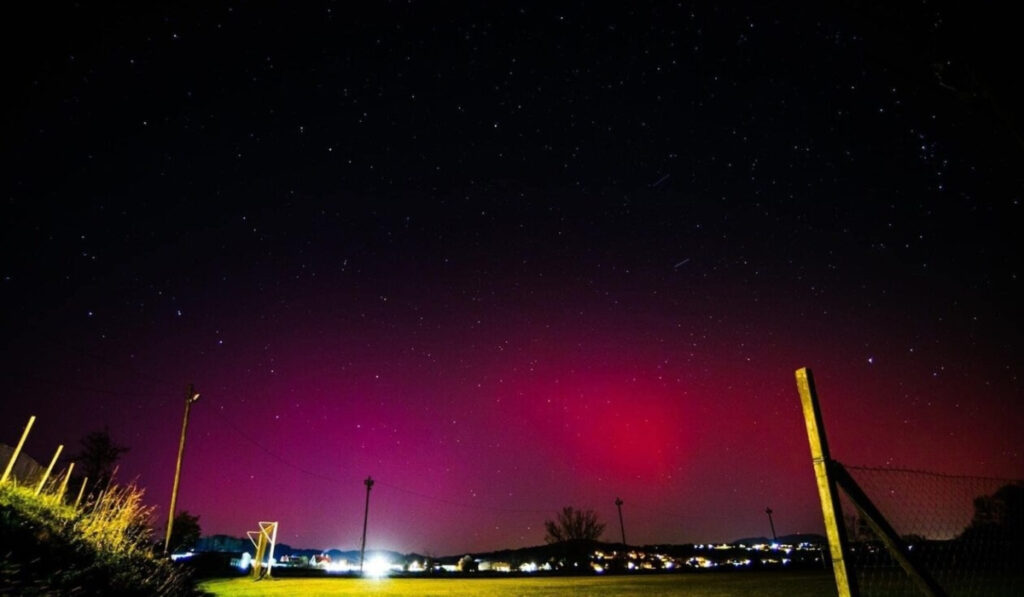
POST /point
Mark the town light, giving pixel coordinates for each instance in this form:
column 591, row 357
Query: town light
column 377, row 567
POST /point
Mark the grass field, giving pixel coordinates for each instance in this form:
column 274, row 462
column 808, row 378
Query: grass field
column 761, row 584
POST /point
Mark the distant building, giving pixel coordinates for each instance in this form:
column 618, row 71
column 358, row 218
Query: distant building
column 489, row 566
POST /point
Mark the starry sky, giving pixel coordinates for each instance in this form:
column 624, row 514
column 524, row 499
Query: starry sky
column 508, row 258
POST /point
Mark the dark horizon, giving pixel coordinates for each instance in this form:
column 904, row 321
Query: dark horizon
column 510, row 259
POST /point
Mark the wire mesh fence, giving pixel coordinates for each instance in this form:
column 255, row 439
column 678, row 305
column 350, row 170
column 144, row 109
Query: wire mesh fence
column 966, row 532
column 26, row 470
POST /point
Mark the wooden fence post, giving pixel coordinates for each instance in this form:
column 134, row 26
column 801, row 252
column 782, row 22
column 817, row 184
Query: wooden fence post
column 845, row 583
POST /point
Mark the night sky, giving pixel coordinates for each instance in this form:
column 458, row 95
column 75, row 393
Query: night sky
column 511, row 258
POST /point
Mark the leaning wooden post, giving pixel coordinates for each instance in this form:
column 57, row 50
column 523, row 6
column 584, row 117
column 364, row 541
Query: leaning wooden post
column 17, row 451
column 81, row 492
column 830, row 508
column 49, row 469
column 64, row 483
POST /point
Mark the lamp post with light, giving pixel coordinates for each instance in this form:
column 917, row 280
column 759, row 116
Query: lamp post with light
column 366, row 514
column 622, row 527
column 191, row 395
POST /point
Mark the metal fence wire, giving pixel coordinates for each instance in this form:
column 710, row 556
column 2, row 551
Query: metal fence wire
column 966, row 532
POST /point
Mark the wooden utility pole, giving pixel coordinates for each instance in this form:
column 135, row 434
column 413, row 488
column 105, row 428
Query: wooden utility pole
column 190, row 396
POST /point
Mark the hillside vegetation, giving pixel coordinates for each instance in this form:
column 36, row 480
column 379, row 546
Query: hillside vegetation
column 103, row 548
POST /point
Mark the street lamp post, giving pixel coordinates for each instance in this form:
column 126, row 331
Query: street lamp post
column 622, row 527
column 190, row 396
column 771, row 522
column 366, row 514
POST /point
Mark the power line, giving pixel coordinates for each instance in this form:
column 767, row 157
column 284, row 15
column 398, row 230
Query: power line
column 273, row 455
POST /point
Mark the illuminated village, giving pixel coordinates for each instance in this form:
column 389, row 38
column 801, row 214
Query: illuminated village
column 541, row 560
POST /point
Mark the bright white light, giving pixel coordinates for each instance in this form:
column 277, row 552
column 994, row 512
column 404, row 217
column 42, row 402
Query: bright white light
column 339, row 566
column 245, row 561
column 377, row 567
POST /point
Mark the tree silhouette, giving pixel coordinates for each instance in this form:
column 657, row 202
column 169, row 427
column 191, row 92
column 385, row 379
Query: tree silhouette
column 994, row 535
column 98, row 457
column 185, row 533
column 574, row 532
column 1000, row 515
column 573, row 525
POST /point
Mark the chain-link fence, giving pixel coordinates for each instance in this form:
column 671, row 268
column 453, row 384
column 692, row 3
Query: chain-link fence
column 966, row 532
column 25, row 471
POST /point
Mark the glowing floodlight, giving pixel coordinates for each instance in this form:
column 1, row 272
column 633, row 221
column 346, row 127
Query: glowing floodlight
column 377, row 567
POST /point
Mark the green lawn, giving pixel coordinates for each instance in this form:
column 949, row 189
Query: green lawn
column 761, row 584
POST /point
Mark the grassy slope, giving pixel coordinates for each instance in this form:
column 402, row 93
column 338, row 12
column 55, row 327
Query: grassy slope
column 50, row 549
column 761, row 584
